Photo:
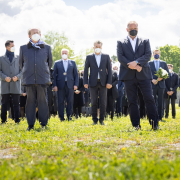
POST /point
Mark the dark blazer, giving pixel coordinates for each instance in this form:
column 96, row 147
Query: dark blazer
column 171, row 82
column 104, row 70
column 163, row 65
column 142, row 54
column 115, row 93
column 35, row 64
column 59, row 76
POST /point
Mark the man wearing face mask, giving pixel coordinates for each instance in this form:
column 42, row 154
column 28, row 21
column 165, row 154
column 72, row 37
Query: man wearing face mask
column 10, row 75
column 66, row 81
column 134, row 53
column 36, row 61
column 172, row 83
column 158, row 84
column 100, row 79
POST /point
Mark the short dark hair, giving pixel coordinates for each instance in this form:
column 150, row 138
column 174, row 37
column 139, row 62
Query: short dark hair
column 8, row 42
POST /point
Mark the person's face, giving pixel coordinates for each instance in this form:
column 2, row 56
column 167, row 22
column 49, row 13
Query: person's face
column 115, row 68
column 169, row 67
column 65, row 52
column 132, row 27
column 10, row 46
column 96, row 45
column 156, row 52
column 34, row 31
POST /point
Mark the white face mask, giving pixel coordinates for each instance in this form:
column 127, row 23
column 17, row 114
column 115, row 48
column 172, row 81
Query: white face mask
column 170, row 70
column 64, row 56
column 12, row 49
column 35, row 37
column 97, row 50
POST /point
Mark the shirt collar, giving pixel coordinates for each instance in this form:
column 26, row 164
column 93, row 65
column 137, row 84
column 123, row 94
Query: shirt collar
column 65, row 60
column 157, row 60
column 97, row 55
column 131, row 38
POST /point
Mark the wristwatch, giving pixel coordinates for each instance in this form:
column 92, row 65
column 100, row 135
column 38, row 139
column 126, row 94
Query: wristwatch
column 137, row 62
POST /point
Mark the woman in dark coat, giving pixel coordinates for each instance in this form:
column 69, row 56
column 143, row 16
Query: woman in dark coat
column 79, row 98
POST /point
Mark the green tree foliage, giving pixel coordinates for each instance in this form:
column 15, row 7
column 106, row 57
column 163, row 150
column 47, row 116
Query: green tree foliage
column 58, row 42
column 171, row 54
column 114, row 58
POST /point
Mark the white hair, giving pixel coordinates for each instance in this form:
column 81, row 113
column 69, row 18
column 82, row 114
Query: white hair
column 65, row 50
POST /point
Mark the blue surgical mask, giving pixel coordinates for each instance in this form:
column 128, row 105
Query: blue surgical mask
column 156, row 56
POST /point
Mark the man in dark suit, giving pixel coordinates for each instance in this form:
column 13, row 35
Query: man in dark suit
column 112, row 94
column 134, row 53
column 158, row 84
column 66, row 81
column 172, row 83
column 100, row 79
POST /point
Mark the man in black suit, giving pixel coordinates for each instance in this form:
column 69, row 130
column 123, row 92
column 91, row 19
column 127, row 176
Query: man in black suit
column 134, row 53
column 112, row 94
column 100, row 80
column 66, row 81
column 158, row 84
column 172, row 83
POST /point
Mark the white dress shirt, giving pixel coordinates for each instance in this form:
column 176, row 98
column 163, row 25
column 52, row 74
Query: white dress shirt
column 65, row 64
column 133, row 42
column 98, row 60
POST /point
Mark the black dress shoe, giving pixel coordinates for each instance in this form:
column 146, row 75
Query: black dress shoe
column 94, row 123
column 30, row 127
column 137, row 128
column 166, row 117
column 155, row 128
column 174, row 117
column 102, row 123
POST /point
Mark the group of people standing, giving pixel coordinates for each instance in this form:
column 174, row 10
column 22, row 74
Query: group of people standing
column 30, row 76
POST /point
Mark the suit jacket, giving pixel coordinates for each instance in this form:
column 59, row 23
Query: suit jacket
column 35, row 64
column 10, row 69
column 104, row 70
column 60, row 74
column 163, row 65
column 142, row 54
column 171, row 82
column 115, row 93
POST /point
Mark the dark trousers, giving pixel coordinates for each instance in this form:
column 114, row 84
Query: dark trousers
column 173, row 107
column 119, row 105
column 142, row 107
column 5, row 101
column 77, row 111
column 131, row 87
column 158, row 94
column 110, row 106
column 67, row 94
column 102, row 91
column 37, row 96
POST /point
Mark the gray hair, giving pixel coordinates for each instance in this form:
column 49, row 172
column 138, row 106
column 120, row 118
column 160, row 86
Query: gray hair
column 65, row 50
column 132, row 22
column 29, row 30
column 98, row 42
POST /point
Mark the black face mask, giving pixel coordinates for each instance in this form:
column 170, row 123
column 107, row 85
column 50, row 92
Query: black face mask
column 133, row 32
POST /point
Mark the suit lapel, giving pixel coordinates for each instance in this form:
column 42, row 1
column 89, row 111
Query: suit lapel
column 138, row 42
column 153, row 66
column 62, row 65
column 68, row 65
column 102, row 56
column 6, row 59
column 127, row 41
column 94, row 59
column 15, row 57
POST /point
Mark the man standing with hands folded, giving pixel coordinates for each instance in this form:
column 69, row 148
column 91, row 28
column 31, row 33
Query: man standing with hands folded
column 10, row 75
column 134, row 53
column 100, row 80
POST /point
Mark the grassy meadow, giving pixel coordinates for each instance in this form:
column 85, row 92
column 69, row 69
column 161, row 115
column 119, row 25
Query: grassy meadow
column 77, row 150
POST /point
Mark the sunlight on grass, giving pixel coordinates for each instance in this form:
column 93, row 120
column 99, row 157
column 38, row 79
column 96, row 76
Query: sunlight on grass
column 78, row 150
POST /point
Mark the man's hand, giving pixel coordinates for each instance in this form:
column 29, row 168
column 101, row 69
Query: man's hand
column 171, row 93
column 7, row 79
column 55, row 89
column 77, row 91
column 86, row 86
column 138, row 68
column 15, row 78
column 154, row 81
column 75, row 88
column 24, row 94
column 132, row 65
column 108, row 86
column 159, row 79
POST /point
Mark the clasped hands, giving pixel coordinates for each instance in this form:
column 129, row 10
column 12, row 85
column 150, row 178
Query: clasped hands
column 170, row 93
column 154, row 81
column 56, row 88
column 8, row 79
column 108, row 86
column 134, row 65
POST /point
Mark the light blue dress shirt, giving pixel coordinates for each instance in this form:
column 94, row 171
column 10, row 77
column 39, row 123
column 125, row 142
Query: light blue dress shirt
column 65, row 64
column 157, row 64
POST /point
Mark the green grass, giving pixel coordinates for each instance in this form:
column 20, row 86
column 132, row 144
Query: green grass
column 78, row 150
